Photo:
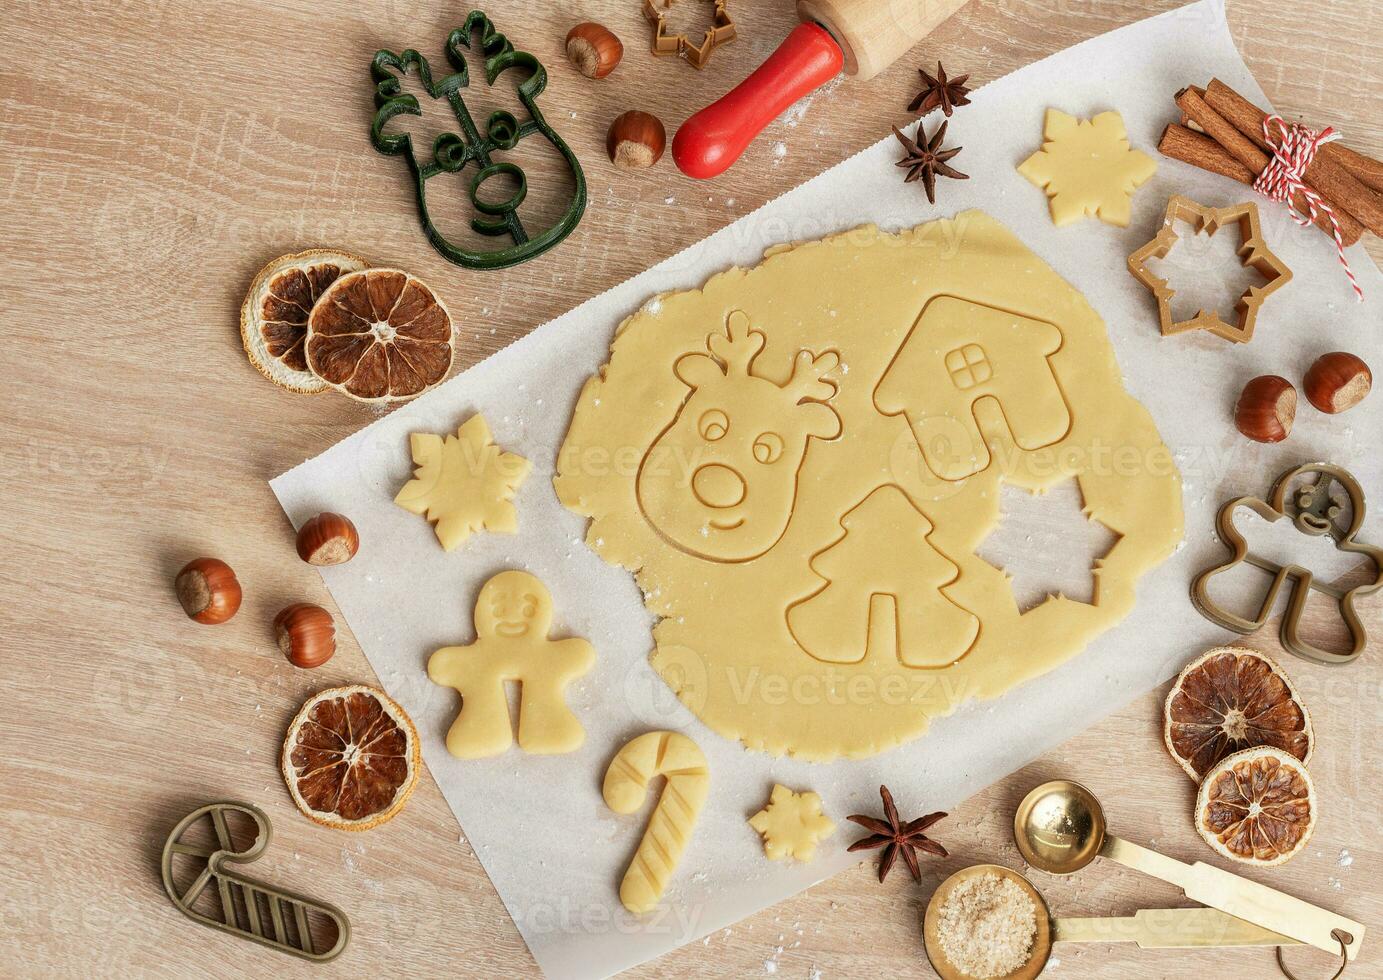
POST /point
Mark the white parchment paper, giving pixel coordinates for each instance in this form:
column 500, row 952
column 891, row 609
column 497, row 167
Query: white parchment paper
column 538, row 824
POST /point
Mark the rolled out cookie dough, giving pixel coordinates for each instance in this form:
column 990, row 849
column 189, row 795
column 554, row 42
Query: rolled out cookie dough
column 823, row 438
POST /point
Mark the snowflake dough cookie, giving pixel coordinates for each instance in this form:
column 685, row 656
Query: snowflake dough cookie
column 1087, row 168
column 512, row 617
column 792, row 824
column 463, row 483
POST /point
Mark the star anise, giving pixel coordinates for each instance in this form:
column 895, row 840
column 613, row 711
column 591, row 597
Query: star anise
column 940, row 92
column 926, row 159
column 894, row 836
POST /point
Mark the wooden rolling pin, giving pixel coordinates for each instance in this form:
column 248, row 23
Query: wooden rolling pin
column 863, row 37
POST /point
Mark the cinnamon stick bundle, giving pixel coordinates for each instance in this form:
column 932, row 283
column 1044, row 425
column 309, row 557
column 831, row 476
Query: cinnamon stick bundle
column 1231, row 143
column 1243, row 149
column 1241, row 111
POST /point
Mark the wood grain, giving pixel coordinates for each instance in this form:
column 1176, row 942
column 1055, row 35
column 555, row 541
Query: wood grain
column 156, row 154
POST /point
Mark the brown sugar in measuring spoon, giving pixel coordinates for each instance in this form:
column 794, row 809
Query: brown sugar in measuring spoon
column 1193, row 928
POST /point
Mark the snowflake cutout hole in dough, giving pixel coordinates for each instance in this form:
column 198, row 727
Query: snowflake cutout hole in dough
column 1087, row 167
column 463, row 483
column 1048, row 545
column 792, row 825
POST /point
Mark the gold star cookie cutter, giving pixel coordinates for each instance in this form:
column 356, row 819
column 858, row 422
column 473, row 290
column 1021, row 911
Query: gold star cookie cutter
column 722, row 31
column 1253, row 253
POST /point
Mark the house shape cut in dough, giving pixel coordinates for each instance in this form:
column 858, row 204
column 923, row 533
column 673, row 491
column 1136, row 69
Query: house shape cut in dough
column 963, row 361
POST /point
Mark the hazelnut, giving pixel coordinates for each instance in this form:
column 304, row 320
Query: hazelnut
column 306, row 634
column 636, row 140
column 208, row 590
column 593, row 49
column 328, row 539
column 1266, row 409
column 1337, row 381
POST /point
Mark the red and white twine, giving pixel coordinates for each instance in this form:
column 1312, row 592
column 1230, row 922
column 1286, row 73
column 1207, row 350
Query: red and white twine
column 1285, row 176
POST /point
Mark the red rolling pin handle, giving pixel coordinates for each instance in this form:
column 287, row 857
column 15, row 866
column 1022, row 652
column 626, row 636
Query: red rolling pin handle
column 712, row 139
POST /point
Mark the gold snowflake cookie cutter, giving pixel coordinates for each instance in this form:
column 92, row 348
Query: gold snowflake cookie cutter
column 1087, row 168
column 1253, row 253
column 722, row 31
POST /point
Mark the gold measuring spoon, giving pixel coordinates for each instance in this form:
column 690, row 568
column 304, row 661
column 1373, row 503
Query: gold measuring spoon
column 1060, row 828
column 1150, row 928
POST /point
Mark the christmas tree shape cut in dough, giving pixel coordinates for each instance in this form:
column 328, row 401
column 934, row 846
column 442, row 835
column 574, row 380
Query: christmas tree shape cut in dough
column 792, row 825
column 1087, row 168
column 883, row 593
column 463, row 483
column 1040, row 402
column 512, row 616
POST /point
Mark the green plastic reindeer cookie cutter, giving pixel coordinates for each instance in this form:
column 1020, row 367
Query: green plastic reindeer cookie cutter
column 240, row 905
column 453, row 152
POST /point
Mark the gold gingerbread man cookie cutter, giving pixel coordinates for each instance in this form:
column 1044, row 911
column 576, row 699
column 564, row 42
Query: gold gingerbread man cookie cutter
column 1315, row 511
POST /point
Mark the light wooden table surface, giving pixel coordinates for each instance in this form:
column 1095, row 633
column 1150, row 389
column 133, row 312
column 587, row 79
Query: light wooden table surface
column 156, row 153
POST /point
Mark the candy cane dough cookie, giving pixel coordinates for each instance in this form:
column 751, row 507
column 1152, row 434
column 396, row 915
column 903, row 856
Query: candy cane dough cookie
column 669, row 830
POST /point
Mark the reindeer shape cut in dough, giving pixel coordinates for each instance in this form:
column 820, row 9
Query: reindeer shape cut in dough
column 962, row 358
column 744, row 438
column 512, row 616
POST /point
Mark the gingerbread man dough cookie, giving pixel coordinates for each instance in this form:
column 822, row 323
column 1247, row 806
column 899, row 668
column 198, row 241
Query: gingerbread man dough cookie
column 512, row 618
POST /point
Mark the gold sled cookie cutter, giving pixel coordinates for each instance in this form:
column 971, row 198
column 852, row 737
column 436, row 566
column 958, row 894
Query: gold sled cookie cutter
column 1313, row 510
column 272, row 917
column 1253, row 254
column 722, row 31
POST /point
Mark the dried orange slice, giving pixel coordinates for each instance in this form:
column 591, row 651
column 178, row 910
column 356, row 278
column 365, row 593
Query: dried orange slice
column 1230, row 699
column 273, row 318
column 351, row 758
column 379, row 335
column 1257, row 806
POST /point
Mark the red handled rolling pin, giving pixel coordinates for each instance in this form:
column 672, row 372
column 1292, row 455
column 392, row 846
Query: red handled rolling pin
column 862, row 37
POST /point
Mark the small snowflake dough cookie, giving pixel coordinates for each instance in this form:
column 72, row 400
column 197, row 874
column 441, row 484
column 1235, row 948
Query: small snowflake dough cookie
column 512, row 617
column 463, row 483
column 792, row 824
column 1087, row 168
